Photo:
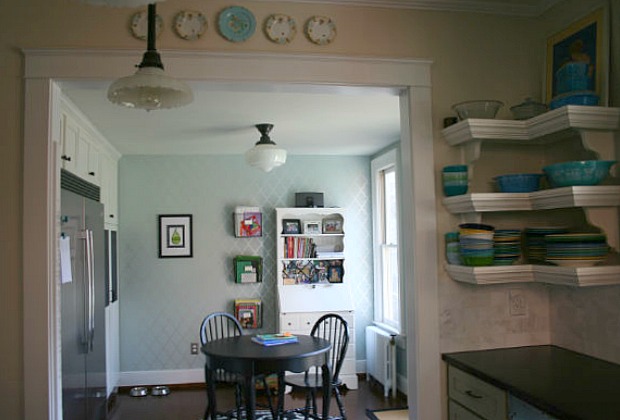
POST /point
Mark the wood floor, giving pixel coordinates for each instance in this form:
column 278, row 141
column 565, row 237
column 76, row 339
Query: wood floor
column 189, row 403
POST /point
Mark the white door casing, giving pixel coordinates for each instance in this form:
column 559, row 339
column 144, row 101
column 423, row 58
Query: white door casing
column 42, row 390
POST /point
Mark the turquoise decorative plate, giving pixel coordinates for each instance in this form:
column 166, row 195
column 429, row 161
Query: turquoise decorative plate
column 236, row 23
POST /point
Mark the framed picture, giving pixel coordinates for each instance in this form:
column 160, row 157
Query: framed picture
column 291, row 226
column 175, row 236
column 578, row 58
column 332, row 226
column 312, row 228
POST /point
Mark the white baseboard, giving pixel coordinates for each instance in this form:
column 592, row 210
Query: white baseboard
column 162, row 377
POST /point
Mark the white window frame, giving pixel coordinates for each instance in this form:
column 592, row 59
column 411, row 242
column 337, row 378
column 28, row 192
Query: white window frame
column 378, row 165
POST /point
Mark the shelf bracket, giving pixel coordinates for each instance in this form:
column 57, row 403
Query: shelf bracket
column 471, row 151
column 600, row 142
column 605, row 218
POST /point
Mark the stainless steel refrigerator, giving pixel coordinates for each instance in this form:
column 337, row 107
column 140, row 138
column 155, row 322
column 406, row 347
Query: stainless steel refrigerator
column 83, row 301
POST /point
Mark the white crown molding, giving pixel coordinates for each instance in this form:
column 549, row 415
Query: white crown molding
column 498, row 7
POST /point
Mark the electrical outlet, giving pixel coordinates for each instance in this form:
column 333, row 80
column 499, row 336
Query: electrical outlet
column 194, row 348
column 517, row 302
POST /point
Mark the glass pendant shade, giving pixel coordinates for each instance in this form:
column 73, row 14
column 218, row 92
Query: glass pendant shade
column 150, row 88
column 265, row 155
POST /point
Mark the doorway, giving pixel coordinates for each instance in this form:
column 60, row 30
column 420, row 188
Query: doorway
column 41, row 192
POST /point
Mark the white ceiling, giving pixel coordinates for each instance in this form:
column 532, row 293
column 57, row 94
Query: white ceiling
column 307, row 119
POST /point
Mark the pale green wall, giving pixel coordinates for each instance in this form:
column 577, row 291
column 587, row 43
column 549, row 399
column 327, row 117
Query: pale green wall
column 163, row 301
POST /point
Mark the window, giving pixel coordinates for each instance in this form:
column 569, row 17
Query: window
column 387, row 287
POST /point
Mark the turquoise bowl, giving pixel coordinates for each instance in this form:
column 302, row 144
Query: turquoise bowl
column 582, row 172
column 518, row 183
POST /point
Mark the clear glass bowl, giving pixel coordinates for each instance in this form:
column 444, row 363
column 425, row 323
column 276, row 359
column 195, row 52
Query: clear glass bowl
column 477, row 109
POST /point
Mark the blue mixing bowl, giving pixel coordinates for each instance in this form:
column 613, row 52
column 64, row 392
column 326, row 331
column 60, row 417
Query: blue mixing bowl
column 581, row 172
column 518, row 183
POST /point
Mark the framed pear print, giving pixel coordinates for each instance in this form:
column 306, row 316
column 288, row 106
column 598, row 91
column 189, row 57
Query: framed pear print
column 175, row 236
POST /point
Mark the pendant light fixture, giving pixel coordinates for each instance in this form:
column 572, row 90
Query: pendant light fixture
column 119, row 3
column 150, row 88
column 265, row 155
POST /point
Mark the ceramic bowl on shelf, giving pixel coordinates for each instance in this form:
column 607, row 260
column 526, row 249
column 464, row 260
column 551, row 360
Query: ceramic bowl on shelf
column 518, row 183
column 581, row 172
column 477, row 109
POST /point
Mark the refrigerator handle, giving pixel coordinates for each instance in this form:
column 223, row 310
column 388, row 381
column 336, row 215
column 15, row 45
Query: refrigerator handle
column 90, row 264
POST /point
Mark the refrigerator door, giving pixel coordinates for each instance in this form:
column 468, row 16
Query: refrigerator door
column 82, row 310
column 96, row 358
column 73, row 311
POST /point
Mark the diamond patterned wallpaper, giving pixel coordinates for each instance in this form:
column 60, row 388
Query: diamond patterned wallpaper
column 163, row 301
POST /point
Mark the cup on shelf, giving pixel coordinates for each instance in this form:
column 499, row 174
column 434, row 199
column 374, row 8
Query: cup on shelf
column 454, row 179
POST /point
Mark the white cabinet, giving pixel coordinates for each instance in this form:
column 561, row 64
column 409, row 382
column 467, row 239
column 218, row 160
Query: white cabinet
column 87, row 154
column 109, row 189
column 80, row 154
column 595, row 127
column 312, row 275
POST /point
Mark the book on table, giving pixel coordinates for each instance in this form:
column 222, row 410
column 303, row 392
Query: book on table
column 274, row 339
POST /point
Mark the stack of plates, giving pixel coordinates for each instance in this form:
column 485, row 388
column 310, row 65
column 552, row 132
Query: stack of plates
column 576, row 249
column 476, row 244
column 535, row 246
column 506, row 246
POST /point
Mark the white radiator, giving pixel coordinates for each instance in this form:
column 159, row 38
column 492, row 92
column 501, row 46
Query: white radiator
column 381, row 358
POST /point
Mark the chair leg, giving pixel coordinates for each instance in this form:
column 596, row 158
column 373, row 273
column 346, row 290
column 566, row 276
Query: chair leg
column 238, row 400
column 343, row 413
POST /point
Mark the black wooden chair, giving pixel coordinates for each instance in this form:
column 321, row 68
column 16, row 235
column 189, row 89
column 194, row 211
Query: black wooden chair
column 224, row 325
column 334, row 328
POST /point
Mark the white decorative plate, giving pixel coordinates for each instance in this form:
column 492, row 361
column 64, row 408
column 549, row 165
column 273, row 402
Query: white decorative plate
column 280, row 29
column 189, row 24
column 139, row 25
column 321, row 30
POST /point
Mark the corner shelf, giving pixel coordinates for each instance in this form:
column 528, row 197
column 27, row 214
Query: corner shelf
column 596, row 127
column 527, row 273
column 555, row 198
column 558, row 124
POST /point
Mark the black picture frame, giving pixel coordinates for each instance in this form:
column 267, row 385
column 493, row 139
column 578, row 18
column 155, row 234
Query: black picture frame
column 175, row 236
column 291, row 226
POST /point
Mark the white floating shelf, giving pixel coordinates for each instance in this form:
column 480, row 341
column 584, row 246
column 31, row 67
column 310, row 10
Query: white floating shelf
column 499, row 274
column 603, row 275
column 545, row 128
column 555, row 198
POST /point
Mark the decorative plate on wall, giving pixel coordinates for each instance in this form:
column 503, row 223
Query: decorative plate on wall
column 139, row 25
column 321, row 30
column 189, row 24
column 236, row 23
column 280, row 29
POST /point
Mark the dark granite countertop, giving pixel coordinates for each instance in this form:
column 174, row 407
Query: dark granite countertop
column 560, row 382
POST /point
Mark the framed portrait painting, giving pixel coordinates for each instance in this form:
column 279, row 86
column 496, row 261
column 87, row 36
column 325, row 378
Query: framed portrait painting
column 578, row 58
column 175, row 236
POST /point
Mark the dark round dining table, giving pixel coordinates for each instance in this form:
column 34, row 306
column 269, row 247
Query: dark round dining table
column 243, row 356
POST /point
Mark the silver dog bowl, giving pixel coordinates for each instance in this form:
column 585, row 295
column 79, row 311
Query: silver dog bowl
column 160, row 391
column 138, row 391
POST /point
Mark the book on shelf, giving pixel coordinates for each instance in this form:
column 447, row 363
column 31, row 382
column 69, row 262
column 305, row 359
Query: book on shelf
column 298, row 247
column 249, row 313
column 248, row 269
column 275, row 339
column 248, row 221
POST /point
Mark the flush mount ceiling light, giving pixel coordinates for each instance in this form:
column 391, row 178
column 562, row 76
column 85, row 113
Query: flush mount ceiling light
column 150, row 88
column 265, row 155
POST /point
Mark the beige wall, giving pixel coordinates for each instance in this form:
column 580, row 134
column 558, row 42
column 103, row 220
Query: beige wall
column 475, row 56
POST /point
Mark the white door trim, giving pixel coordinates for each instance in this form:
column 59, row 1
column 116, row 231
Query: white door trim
column 41, row 191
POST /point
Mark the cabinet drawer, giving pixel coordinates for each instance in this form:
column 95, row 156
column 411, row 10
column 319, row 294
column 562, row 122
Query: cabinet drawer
column 457, row 412
column 478, row 396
